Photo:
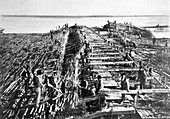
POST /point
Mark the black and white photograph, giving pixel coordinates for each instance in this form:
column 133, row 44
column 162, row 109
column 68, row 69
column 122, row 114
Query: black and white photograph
column 84, row 59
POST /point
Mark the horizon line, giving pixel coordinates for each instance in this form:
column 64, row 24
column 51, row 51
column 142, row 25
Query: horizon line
column 82, row 16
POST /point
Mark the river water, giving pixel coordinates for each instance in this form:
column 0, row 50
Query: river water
column 45, row 24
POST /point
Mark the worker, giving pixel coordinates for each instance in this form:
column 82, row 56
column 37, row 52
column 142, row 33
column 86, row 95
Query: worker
column 86, row 60
column 24, row 77
column 151, row 76
column 142, row 78
column 115, row 26
column 126, row 57
column 93, row 90
column 124, row 82
column 123, row 76
column 94, row 75
column 140, row 65
column 108, row 22
column 166, row 43
column 82, row 58
column 108, row 29
column 38, row 84
column 98, row 84
column 87, row 50
column 51, row 85
column 85, row 37
column 139, row 36
column 153, row 40
column 83, row 86
column 51, row 34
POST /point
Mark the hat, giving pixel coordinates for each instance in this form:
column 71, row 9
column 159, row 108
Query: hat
column 99, row 77
column 122, row 74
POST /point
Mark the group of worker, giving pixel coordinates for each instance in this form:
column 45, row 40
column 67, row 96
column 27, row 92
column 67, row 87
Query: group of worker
column 141, row 78
column 44, row 83
column 85, row 53
column 47, row 84
column 89, row 90
column 86, row 74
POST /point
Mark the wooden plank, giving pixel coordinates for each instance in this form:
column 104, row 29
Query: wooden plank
column 129, row 97
column 106, row 53
column 98, row 43
column 102, row 47
column 105, row 50
column 111, row 63
column 11, row 113
column 109, row 83
column 32, row 110
column 113, row 96
column 12, row 85
column 105, row 58
column 116, row 70
column 25, row 113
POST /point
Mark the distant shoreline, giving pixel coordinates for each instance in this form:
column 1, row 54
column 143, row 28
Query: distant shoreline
column 82, row 16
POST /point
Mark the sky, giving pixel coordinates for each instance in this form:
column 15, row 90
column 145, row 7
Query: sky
column 84, row 7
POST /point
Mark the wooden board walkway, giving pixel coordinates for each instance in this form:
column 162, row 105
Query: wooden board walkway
column 100, row 60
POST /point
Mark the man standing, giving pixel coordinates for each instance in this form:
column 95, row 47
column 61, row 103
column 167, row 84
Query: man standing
column 83, row 86
column 26, row 80
column 37, row 82
column 124, row 82
column 82, row 59
column 98, row 84
column 142, row 78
